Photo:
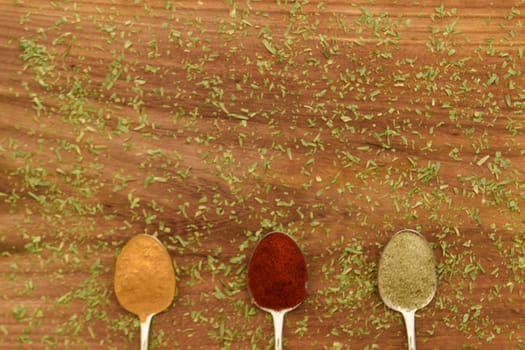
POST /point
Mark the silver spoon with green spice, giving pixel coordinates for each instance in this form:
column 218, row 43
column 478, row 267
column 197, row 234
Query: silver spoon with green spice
column 407, row 277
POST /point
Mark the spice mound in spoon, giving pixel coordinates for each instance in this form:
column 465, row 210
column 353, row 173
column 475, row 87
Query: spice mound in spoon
column 144, row 277
column 277, row 273
column 407, row 278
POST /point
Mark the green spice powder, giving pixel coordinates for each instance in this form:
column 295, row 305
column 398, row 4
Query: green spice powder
column 407, row 272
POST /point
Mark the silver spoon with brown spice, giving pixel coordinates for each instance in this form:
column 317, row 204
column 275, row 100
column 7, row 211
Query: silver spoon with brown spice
column 407, row 277
column 144, row 280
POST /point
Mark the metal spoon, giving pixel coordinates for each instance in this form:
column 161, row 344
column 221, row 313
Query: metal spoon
column 280, row 255
column 135, row 278
column 409, row 257
column 278, row 323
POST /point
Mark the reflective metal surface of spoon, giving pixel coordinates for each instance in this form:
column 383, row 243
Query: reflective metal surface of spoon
column 407, row 277
column 278, row 324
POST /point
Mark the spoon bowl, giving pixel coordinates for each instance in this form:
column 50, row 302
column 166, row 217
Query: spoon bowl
column 144, row 280
column 277, row 278
column 407, row 278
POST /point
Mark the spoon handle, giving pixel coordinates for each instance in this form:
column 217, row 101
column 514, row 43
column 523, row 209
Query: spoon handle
column 409, row 317
column 278, row 320
column 144, row 332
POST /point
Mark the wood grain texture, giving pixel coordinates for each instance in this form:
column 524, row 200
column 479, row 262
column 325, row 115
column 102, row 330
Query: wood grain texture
column 210, row 123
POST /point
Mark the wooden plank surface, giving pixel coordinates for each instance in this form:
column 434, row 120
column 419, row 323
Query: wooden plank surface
column 210, row 123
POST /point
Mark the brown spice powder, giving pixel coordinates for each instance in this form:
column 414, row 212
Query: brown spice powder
column 144, row 277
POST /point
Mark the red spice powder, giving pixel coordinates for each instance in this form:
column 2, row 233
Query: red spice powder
column 277, row 273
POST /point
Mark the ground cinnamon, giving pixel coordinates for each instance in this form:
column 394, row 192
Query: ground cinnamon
column 277, row 273
column 144, row 277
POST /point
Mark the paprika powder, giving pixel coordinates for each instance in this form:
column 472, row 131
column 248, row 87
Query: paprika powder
column 277, row 275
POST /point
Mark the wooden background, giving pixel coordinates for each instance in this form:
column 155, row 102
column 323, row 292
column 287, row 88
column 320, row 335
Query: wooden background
column 210, row 123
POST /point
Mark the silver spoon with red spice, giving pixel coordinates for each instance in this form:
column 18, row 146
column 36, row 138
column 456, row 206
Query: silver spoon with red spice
column 277, row 278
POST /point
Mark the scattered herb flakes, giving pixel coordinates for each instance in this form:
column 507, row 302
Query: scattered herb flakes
column 335, row 125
